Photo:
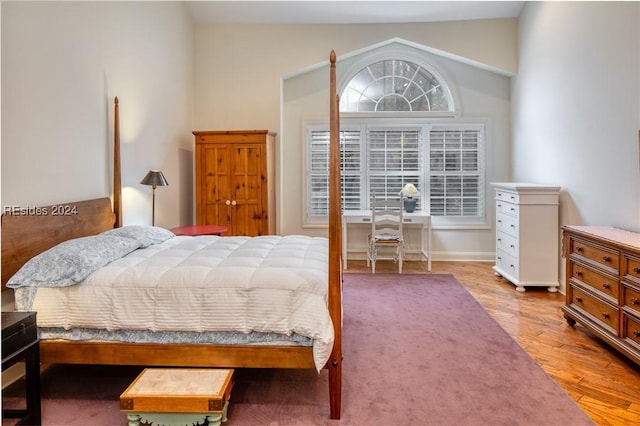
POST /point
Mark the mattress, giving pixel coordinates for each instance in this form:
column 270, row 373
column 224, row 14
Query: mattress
column 248, row 286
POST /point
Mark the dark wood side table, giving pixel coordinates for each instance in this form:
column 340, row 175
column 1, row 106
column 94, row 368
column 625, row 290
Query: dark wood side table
column 20, row 342
column 199, row 230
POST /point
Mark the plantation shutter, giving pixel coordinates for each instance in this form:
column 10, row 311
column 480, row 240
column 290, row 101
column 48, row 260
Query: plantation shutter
column 456, row 172
column 319, row 171
column 394, row 160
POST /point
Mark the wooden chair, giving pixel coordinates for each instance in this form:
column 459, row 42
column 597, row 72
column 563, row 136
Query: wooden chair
column 386, row 230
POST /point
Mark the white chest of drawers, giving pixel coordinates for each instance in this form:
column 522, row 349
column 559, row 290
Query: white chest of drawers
column 527, row 234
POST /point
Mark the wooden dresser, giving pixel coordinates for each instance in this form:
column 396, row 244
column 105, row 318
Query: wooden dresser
column 235, row 184
column 527, row 237
column 603, row 284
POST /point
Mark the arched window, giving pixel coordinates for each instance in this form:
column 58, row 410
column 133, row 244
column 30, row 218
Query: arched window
column 395, row 85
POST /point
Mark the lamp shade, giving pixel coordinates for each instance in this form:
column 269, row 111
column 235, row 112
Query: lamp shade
column 154, row 178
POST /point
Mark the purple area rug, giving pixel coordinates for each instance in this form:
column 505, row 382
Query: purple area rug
column 418, row 350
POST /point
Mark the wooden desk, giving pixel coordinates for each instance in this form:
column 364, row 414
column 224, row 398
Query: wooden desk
column 418, row 218
column 193, row 230
column 178, row 396
column 20, row 342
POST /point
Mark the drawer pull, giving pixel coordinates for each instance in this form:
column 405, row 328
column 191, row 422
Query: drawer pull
column 605, row 315
column 578, row 299
column 606, row 286
column 499, row 205
column 636, row 333
column 635, row 301
column 636, row 270
column 513, row 226
column 579, row 249
column 512, row 209
column 579, row 273
column 512, row 246
column 606, row 258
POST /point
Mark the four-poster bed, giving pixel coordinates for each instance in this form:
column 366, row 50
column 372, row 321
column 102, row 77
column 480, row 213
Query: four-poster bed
column 24, row 236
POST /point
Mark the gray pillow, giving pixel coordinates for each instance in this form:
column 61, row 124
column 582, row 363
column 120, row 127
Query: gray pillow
column 71, row 261
column 145, row 235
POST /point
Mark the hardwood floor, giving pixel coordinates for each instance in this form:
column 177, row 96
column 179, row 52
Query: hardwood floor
column 605, row 384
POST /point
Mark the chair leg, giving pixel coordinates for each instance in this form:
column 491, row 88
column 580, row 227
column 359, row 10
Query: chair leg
column 373, row 253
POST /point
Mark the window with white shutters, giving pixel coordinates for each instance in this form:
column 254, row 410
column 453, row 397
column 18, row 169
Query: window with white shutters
column 456, row 171
column 396, row 133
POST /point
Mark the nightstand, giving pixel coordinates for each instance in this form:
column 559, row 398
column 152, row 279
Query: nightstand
column 20, row 343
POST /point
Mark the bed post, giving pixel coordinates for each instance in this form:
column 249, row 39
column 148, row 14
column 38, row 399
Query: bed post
column 335, row 246
column 117, row 184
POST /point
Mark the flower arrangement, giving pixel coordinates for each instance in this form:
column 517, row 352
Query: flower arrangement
column 410, row 190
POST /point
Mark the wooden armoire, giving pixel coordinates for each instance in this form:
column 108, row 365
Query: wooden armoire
column 235, row 185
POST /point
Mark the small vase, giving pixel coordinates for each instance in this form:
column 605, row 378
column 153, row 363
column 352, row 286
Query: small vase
column 410, row 204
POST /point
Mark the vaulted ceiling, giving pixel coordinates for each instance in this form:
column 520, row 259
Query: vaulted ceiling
column 347, row 12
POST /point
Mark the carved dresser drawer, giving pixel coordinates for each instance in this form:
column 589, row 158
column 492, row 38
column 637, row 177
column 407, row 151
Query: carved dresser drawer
column 632, row 269
column 606, row 285
column 596, row 254
column 631, row 330
column 603, row 284
column 606, row 315
column 631, row 299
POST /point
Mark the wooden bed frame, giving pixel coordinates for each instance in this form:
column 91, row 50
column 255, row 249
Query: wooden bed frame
column 26, row 235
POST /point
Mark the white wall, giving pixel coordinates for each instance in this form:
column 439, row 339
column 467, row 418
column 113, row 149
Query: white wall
column 62, row 65
column 239, row 67
column 576, row 108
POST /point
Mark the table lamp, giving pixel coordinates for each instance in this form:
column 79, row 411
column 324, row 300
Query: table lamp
column 154, row 178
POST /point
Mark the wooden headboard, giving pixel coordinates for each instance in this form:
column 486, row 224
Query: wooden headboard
column 27, row 232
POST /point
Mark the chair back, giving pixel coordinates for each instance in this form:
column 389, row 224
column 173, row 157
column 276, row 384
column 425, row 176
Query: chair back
column 386, row 218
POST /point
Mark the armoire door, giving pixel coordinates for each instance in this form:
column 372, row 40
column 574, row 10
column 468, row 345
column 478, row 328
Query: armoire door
column 216, row 192
column 246, row 209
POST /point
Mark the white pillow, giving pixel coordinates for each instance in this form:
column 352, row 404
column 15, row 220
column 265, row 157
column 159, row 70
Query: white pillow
column 145, row 235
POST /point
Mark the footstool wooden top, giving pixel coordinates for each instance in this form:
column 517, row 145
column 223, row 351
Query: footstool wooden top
column 178, row 390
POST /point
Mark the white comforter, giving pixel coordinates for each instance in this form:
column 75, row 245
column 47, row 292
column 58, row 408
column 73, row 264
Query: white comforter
column 207, row 283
